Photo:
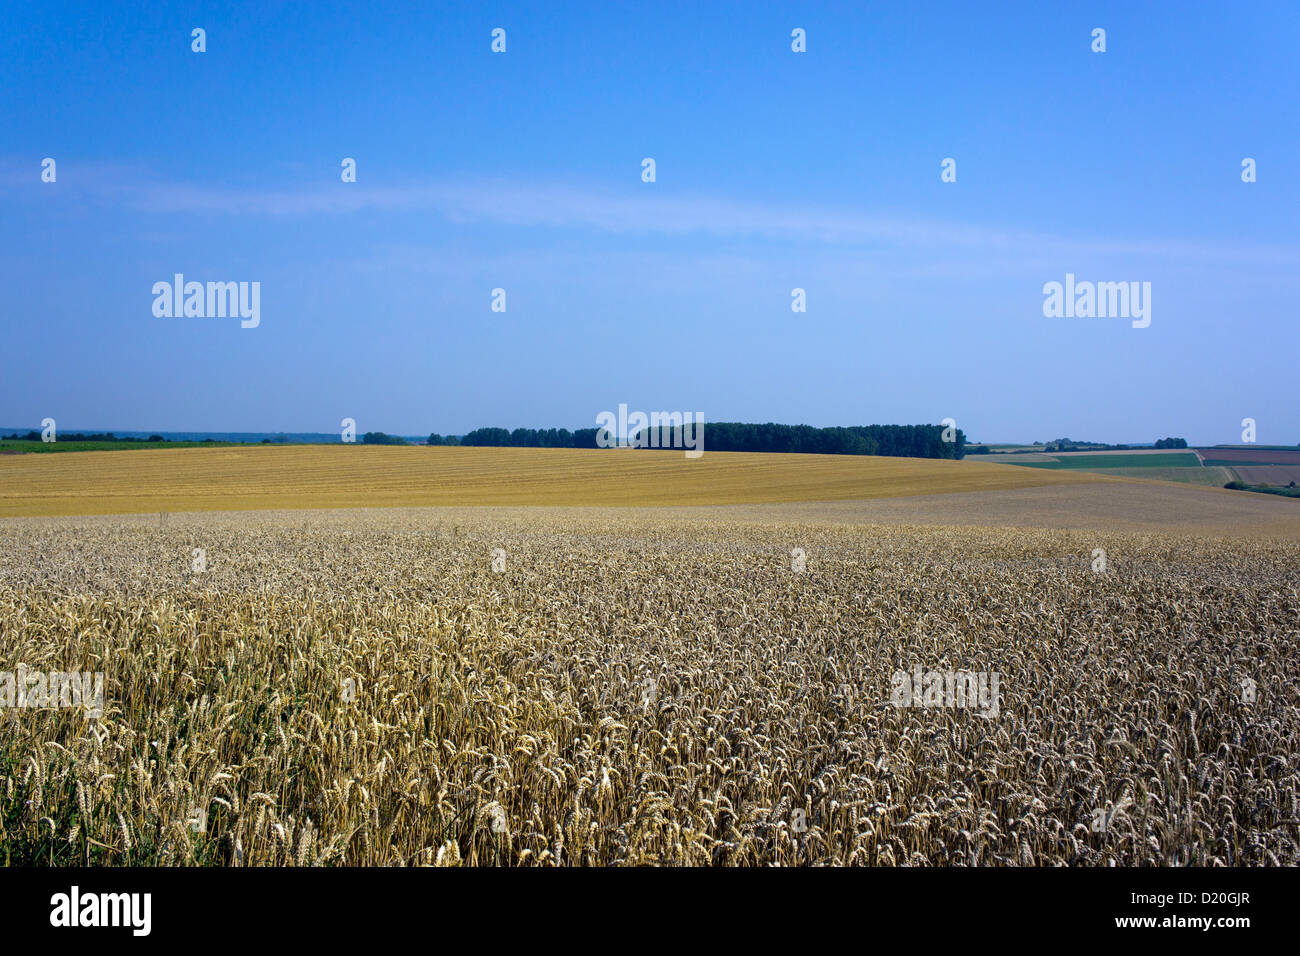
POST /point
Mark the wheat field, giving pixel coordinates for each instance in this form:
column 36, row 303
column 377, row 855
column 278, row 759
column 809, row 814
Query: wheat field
column 555, row 687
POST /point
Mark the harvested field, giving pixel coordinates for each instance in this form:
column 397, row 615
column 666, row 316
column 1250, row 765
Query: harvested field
column 354, row 476
column 658, row 686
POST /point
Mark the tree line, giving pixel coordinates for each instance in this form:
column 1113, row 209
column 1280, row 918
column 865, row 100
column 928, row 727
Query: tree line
column 1069, row 444
column 81, row 436
column 903, row 441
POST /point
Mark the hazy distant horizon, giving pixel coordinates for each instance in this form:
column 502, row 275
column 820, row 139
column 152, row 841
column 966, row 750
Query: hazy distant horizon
column 335, row 437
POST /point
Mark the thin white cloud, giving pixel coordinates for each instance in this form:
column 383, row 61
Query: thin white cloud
column 557, row 206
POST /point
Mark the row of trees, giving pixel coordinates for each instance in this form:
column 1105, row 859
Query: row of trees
column 1069, row 444
column 525, row 438
column 79, row 436
column 906, row 441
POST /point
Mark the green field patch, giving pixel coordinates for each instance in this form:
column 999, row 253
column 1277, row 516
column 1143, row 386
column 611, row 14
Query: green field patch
column 1176, row 459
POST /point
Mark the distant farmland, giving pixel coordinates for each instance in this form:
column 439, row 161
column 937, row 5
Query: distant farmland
column 1232, row 457
column 1263, row 466
column 1183, row 466
column 24, row 447
column 248, row 477
column 1093, row 461
column 1268, row 474
column 1213, row 476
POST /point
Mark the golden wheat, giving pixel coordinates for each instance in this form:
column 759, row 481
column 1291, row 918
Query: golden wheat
column 353, row 688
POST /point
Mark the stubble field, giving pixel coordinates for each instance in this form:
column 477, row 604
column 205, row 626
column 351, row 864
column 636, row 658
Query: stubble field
column 356, row 476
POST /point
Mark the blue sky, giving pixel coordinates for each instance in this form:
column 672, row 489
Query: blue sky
column 775, row 170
